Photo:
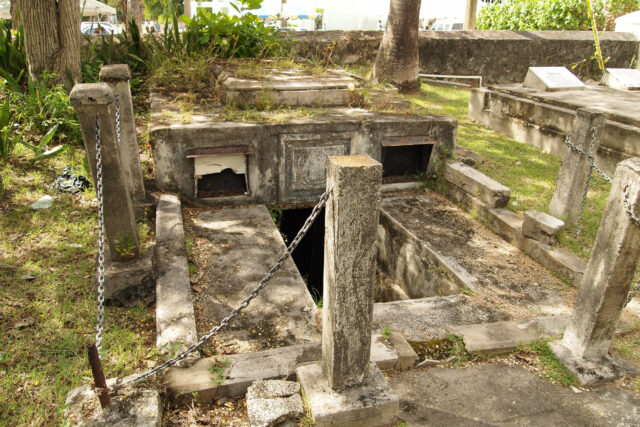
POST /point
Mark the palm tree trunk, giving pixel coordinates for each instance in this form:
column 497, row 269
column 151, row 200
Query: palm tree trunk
column 397, row 61
column 135, row 13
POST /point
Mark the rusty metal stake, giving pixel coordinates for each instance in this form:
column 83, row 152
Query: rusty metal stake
column 98, row 375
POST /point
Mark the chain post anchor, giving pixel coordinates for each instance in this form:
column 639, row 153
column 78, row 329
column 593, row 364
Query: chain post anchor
column 99, row 380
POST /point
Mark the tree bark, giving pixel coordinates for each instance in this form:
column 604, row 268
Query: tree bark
column 187, row 8
column 52, row 38
column 397, row 61
column 124, row 13
column 15, row 20
column 135, row 13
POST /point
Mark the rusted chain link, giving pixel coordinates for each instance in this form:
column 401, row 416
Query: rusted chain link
column 590, row 157
column 292, row 246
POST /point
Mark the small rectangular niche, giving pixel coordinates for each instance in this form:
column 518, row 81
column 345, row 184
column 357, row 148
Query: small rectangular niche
column 404, row 157
column 220, row 171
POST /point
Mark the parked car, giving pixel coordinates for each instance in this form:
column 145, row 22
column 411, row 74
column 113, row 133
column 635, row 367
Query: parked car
column 447, row 25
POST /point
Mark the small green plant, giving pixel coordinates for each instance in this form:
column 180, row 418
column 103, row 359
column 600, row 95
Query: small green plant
column 126, row 247
column 386, row 332
column 317, row 297
column 188, row 244
column 468, row 291
column 552, row 369
column 217, row 369
column 276, row 214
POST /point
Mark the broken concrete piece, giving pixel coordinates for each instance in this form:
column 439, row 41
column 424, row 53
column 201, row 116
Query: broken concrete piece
column 274, row 402
column 406, row 355
column 477, row 184
column 541, row 226
column 130, row 282
column 503, row 337
column 382, row 352
column 44, row 202
column 372, row 403
column 132, row 406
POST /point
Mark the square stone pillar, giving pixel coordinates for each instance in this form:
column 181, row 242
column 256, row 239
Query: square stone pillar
column 585, row 346
column 96, row 101
column 351, row 220
column 344, row 389
column 117, row 76
column 576, row 169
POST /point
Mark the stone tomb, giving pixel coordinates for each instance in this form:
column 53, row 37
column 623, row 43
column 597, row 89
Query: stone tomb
column 543, row 118
column 273, row 86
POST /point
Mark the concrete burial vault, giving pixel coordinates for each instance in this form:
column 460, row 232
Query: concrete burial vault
column 391, row 264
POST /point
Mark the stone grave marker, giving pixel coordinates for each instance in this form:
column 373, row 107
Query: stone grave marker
column 621, row 78
column 548, row 79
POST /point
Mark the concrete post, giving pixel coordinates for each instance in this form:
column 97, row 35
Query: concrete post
column 97, row 100
column 351, row 220
column 470, row 15
column 117, row 76
column 575, row 170
column 605, row 283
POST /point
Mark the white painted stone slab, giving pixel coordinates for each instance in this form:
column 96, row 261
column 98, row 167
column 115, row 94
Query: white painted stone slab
column 622, row 78
column 548, row 79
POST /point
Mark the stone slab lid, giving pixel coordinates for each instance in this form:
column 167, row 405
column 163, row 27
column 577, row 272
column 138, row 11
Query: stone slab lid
column 218, row 151
column 551, row 79
column 283, row 82
column 621, row 78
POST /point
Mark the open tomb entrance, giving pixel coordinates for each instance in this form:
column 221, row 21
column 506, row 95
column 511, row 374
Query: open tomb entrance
column 220, row 171
column 309, row 255
column 405, row 157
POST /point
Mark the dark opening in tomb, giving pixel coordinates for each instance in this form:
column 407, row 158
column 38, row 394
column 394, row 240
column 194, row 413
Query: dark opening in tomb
column 401, row 163
column 224, row 183
column 309, row 255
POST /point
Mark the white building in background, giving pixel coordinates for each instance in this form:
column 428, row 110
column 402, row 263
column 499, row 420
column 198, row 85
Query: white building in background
column 343, row 14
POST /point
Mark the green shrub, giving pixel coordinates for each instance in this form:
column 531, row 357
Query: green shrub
column 13, row 58
column 529, row 15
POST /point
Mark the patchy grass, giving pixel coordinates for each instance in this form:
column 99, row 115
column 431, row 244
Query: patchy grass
column 47, row 304
column 627, row 347
column 546, row 364
column 528, row 172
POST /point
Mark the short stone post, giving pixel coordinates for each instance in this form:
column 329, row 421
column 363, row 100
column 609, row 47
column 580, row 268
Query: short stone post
column 576, row 169
column 344, row 388
column 96, row 100
column 605, row 284
column 117, row 76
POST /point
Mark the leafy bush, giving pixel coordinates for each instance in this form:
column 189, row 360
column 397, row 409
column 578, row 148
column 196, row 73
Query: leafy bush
column 13, row 58
column 529, row 15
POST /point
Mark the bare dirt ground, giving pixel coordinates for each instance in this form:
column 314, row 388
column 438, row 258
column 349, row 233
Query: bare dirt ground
column 507, row 279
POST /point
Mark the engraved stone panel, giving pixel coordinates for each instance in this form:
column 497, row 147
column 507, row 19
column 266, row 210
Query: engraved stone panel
column 302, row 171
column 622, row 78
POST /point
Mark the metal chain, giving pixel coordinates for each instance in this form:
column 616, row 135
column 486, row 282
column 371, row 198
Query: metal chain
column 594, row 135
column 118, row 119
column 567, row 140
column 292, row 246
column 99, row 187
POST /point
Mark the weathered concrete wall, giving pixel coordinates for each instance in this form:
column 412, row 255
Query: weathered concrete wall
column 288, row 160
column 498, row 56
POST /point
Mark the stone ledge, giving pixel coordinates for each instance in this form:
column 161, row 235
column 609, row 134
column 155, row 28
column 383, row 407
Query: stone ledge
column 274, row 402
column 130, row 282
column 373, row 403
column 504, row 337
column 541, row 226
column 477, row 184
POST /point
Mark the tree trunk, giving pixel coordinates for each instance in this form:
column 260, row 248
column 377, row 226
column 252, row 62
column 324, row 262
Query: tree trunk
column 123, row 13
column 52, row 38
column 135, row 13
column 15, row 20
column 187, row 8
column 397, row 61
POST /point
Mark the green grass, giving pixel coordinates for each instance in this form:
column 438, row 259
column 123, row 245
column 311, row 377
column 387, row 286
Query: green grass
column 46, row 322
column 527, row 171
column 551, row 368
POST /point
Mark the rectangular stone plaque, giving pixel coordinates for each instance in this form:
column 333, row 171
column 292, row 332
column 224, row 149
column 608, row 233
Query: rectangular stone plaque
column 552, row 79
column 302, row 173
column 622, row 78
column 402, row 141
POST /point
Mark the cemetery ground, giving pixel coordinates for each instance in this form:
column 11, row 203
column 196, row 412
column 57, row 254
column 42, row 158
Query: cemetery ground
column 47, row 257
